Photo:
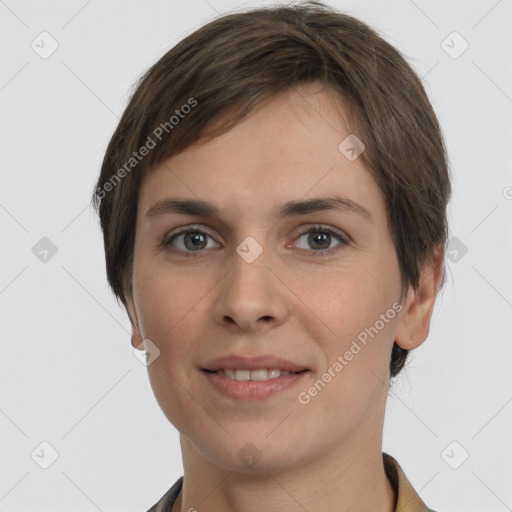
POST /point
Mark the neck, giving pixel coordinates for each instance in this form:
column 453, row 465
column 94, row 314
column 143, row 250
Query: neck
column 339, row 480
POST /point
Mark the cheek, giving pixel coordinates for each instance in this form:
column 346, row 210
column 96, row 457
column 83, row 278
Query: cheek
column 171, row 310
column 356, row 348
column 354, row 311
column 350, row 296
column 175, row 312
column 166, row 300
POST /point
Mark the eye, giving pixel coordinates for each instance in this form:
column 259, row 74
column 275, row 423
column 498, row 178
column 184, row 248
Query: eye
column 319, row 239
column 190, row 240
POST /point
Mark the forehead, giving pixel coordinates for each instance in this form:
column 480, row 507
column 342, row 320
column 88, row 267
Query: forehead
column 294, row 146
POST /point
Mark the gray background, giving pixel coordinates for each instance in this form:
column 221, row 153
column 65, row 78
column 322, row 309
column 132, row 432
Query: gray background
column 68, row 374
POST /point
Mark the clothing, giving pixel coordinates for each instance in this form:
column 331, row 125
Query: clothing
column 408, row 499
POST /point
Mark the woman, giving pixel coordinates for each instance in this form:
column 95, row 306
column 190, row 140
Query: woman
column 273, row 204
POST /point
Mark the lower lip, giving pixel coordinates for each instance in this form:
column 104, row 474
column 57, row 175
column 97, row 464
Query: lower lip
column 253, row 389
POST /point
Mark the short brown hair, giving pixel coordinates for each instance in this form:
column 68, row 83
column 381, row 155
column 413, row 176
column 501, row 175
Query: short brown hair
column 241, row 60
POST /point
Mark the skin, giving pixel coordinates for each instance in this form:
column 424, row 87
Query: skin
column 323, row 455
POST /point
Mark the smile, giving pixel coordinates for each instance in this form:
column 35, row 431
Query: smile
column 260, row 374
column 252, row 384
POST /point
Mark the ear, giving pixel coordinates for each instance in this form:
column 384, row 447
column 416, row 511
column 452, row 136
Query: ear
column 414, row 323
column 137, row 337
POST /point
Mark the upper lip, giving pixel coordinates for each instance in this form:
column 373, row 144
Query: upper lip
column 235, row 362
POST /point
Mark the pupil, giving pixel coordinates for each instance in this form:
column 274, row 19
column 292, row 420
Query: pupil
column 196, row 239
column 322, row 239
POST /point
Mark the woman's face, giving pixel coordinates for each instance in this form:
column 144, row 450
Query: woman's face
column 307, row 286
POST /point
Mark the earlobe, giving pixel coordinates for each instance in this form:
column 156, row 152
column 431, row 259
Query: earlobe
column 136, row 337
column 414, row 323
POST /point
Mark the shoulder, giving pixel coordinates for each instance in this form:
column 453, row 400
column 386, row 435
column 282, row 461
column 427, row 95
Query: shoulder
column 165, row 503
column 407, row 499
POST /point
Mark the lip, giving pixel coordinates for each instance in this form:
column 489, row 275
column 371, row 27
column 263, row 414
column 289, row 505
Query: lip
column 236, row 362
column 252, row 390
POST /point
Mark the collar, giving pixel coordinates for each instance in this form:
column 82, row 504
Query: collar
column 408, row 499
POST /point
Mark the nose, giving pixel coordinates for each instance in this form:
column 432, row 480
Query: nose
column 252, row 297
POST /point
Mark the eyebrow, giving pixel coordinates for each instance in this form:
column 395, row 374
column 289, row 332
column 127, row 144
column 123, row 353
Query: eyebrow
column 290, row 208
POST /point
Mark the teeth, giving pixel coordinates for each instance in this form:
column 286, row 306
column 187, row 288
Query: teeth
column 262, row 374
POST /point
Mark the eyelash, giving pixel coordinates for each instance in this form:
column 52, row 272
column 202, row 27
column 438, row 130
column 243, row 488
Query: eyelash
column 320, row 229
column 166, row 242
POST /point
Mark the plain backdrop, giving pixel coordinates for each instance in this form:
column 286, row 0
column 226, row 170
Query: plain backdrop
column 69, row 378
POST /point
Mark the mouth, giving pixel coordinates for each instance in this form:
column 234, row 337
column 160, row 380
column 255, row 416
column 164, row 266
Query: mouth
column 262, row 374
column 258, row 384
column 242, row 377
